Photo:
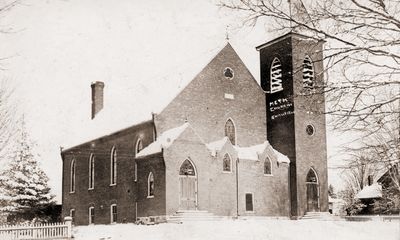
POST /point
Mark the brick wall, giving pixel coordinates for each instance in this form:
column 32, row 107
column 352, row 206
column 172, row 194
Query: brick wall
column 310, row 150
column 204, row 105
column 103, row 195
column 151, row 206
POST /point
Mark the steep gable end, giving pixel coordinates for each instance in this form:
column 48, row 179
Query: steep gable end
column 223, row 89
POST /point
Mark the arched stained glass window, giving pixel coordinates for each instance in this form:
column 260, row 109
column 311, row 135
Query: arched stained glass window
column 226, row 163
column 230, row 131
column 72, row 176
column 276, row 76
column 308, row 73
column 267, row 166
column 150, row 185
column 187, row 169
column 312, row 176
column 113, row 166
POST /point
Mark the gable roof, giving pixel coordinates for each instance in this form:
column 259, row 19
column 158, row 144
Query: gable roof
column 127, row 107
column 371, row 191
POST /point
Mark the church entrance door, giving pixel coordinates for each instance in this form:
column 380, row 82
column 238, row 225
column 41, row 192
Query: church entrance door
column 187, row 186
column 312, row 192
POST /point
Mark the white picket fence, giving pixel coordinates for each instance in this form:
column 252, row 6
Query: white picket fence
column 61, row 231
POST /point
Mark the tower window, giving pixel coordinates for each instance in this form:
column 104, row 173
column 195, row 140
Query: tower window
column 230, row 131
column 308, row 73
column 267, row 166
column 276, row 76
column 113, row 166
column 310, row 130
column 72, row 177
column 228, row 73
column 91, row 171
column 150, row 185
column 226, row 163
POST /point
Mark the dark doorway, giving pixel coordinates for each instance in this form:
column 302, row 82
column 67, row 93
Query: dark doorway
column 312, row 191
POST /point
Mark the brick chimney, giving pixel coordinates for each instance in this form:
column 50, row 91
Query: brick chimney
column 97, row 97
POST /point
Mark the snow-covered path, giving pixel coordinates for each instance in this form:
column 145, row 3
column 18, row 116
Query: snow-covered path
column 246, row 229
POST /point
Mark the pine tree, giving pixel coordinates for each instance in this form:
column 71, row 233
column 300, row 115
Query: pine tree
column 24, row 190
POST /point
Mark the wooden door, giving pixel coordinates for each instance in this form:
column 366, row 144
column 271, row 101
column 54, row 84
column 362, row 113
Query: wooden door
column 312, row 197
column 188, row 192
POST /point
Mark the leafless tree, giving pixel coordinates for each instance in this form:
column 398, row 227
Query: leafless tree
column 361, row 55
column 7, row 108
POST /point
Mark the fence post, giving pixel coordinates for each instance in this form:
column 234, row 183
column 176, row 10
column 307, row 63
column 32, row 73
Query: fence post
column 68, row 222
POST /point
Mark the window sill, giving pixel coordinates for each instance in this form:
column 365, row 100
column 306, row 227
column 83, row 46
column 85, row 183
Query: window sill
column 90, row 189
column 71, row 192
column 113, row 184
column 268, row 175
column 226, row 171
column 150, row 196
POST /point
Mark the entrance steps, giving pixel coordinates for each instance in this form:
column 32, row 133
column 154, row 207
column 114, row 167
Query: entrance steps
column 192, row 215
column 317, row 216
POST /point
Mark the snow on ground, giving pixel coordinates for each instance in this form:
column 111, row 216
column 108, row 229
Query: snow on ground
column 245, row 229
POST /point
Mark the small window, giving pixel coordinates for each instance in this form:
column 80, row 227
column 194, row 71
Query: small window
column 150, row 185
column 308, row 73
column 113, row 213
column 91, row 171
column 226, row 163
column 230, row 131
column 267, row 166
column 276, row 76
column 91, row 215
column 228, row 73
column 139, row 146
column 72, row 214
column 113, row 180
column 310, row 130
column 249, row 202
column 135, row 171
column 72, row 177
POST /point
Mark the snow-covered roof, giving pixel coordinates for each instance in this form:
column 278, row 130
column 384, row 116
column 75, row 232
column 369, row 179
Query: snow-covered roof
column 248, row 153
column 216, row 146
column 371, row 191
column 252, row 152
column 164, row 141
column 128, row 106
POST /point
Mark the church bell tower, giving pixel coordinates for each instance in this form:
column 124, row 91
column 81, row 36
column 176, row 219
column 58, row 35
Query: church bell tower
column 292, row 76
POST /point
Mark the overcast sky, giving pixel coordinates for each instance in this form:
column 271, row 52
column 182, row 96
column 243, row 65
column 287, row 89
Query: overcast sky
column 60, row 46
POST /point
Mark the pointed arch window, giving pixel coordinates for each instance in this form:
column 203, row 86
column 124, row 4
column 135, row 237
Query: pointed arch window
column 139, row 146
column 187, row 169
column 113, row 166
column 72, row 177
column 276, row 76
column 227, row 163
column 91, row 171
column 308, row 73
column 230, row 131
column 267, row 166
column 150, row 185
column 312, row 176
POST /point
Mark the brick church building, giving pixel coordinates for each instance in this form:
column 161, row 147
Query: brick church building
column 224, row 144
